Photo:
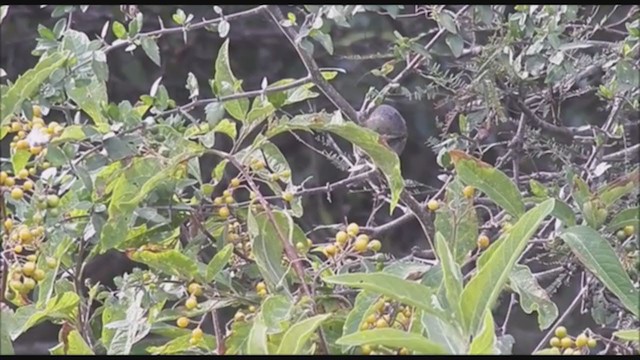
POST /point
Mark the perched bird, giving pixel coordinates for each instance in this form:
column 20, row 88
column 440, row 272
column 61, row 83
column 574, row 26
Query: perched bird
column 389, row 123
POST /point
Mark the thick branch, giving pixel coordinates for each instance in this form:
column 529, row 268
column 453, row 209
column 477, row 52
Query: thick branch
column 310, row 64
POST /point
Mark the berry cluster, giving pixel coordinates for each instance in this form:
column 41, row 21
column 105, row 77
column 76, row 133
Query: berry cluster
column 386, row 313
column 351, row 239
column 562, row 343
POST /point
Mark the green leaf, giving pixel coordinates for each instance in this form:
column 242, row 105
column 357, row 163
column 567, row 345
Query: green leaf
column 295, row 338
column 63, row 306
column 76, row 346
column 218, row 262
column 618, row 188
column 181, row 345
column 151, row 49
column 225, row 84
column 90, row 99
column 365, row 300
column 485, row 342
column 214, row 112
column 257, row 339
column 491, row 181
column 28, row 84
column 368, row 140
column 625, row 218
column 7, row 323
column 260, row 110
column 596, row 254
column 119, row 30
column 324, row 40
column 4, row 9
column 455, row 43
column 171, row 262
column 266, row 246
column 447, row 22
column 19, row 160
column 393, row 338
column 452, row 277
column 532, row 296
column 580, row 191
column 70, row 133
column 458, row 222
column 444, row 333
column 276, row 312
column 404, row 291
column 484, row 287
column 627, row 335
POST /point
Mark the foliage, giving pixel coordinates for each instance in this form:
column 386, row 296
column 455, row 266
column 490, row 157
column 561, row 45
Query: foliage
column 86, row 176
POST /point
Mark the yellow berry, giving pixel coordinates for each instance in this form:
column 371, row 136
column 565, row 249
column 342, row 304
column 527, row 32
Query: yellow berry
column 330, row 250
column 182, row 322
column 381, row 323
column 32, row 257
column 582, row 340
column 224, row 212
column 555, row 342
column 287, row 196
column 629, row 230
column 561, row 332
column 28, row 284
column 257, row 165
column 361, row 243
column 53, row 201
column 239, row 316
column 17, row 194
column 51, row 262
column 8, row 224
column 353, row 229
column 592, row 343
column 433, row 205
column 16, row 126
column 261, row 286
column 403, row 351
column 38, row 275
column 22, row 145
column 566, row 342
column 285, row 174
column 483, row 241
column 468, row 191
column 37, row 112
column 235, row 182
column 262, row 293
column 193, row 342
column 197, row 334
column 366, row 349
column 218, row 201
column 18, row 249
column 36, row 150
column 23, row 174
column 567, row 351
column 28, row 185
column 25, row 235
column 252, row 308
column 9, row 181
column 375, row 245
column 28, row 268
column 364, row 326
column 46, row 165
column 191, row 303
column 195, row 289
column 16, row 285
column 3, row 177
column 342, row 237
column 32, row 171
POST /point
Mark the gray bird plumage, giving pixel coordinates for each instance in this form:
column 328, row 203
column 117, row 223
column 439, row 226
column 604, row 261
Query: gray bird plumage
column 389, row 123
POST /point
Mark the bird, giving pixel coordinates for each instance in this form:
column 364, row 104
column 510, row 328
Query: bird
column 390, row 125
